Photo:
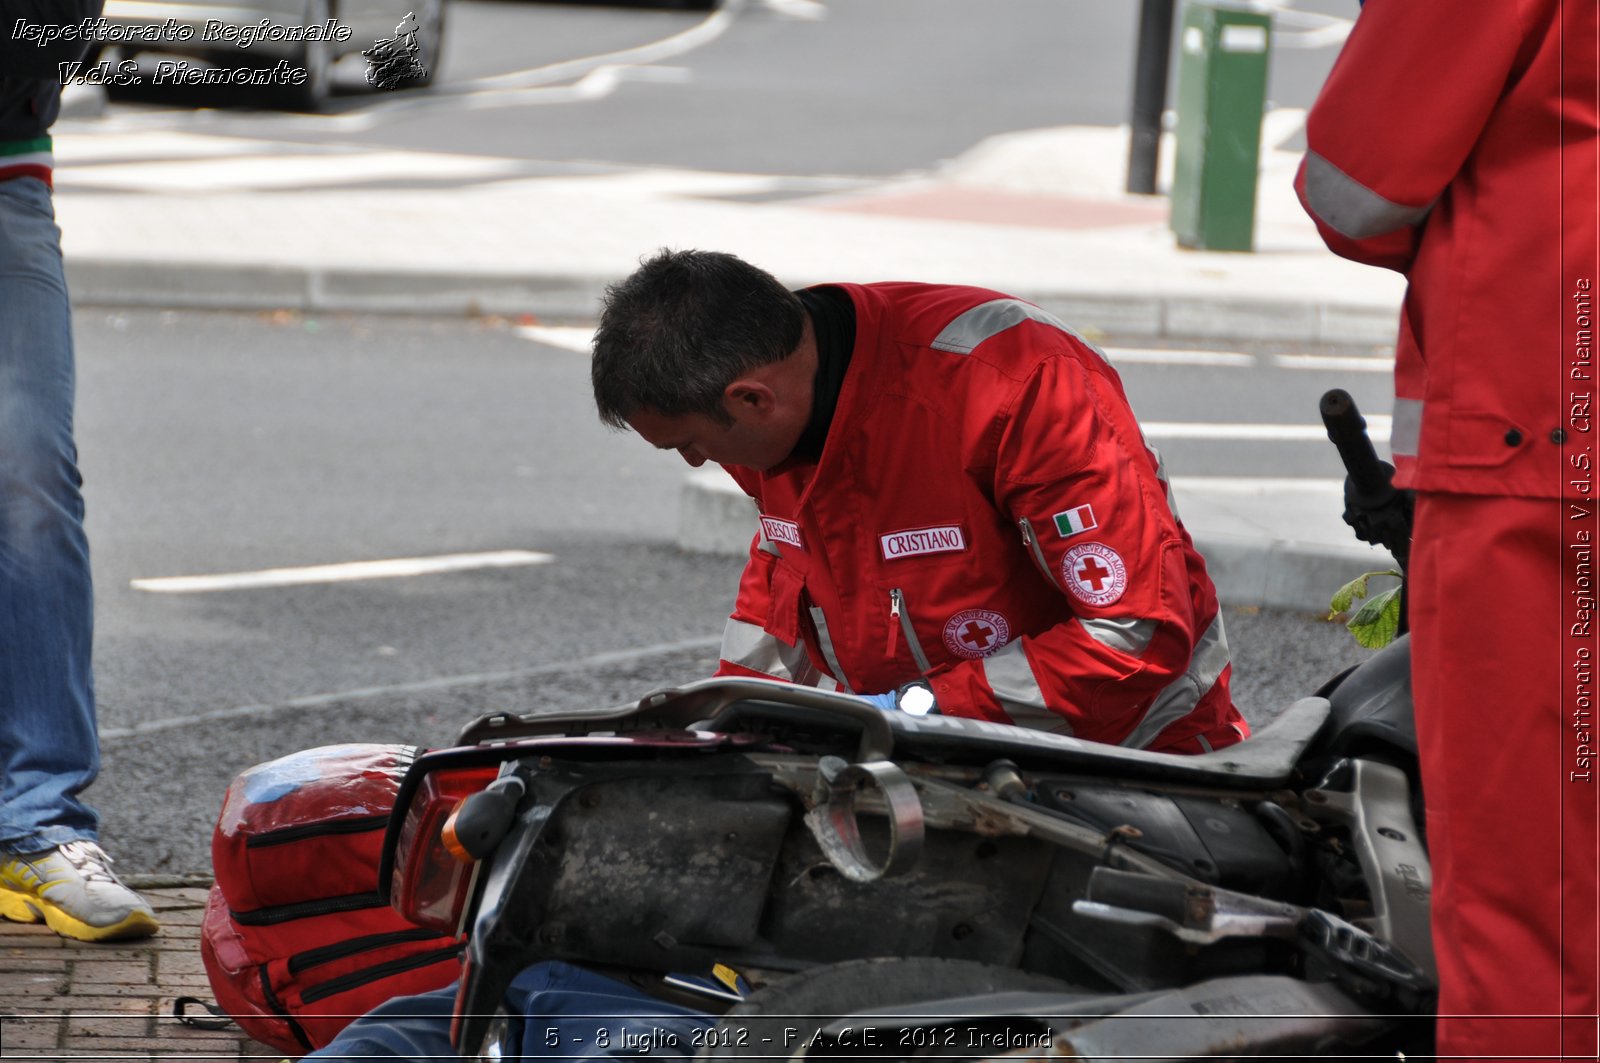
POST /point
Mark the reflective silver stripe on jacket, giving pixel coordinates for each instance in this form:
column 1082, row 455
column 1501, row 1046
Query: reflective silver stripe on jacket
column 1131, row 636
column 1161, row 475
column 1405, row 432
column 969, row 329
column 1350, row 208
column 749, row 646
column 826, row 646
column 1011, row 678
column 1206, row 665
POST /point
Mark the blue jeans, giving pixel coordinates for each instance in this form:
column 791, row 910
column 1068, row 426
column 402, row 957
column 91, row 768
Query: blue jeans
column 560, row 1012
column 49, row 750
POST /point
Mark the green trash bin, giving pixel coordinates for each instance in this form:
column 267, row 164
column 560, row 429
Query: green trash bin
column 1222, row 91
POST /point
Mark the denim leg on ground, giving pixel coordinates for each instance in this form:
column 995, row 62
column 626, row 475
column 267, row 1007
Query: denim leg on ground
column 49, row 750
column 557, row 1010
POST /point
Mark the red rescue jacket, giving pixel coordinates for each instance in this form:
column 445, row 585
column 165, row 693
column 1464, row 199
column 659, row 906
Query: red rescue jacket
column 1455, row 142
column 987, row 514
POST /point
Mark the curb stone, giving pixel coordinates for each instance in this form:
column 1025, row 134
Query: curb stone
column 219, row 286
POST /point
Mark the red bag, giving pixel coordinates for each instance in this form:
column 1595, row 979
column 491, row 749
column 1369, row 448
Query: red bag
column 296, row 940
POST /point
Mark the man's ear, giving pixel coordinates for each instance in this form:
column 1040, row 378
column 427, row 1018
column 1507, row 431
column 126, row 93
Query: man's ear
column 748, row 395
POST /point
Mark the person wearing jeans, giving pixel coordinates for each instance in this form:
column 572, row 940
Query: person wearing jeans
column 51, row 868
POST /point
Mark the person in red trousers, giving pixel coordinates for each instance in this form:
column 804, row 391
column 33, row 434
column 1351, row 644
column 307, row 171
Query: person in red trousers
column 1456, row 142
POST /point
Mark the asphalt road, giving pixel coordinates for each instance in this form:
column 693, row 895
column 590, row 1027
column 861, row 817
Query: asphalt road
column 222, row 443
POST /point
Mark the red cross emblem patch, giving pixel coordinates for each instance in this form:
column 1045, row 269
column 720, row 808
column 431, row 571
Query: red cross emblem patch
column 1094, row 574
column 974, row 633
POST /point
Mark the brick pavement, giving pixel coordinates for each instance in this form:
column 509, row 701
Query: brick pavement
column 63, row 999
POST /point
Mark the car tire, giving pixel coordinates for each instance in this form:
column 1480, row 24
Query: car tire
column 780, row 1017
column 316, row 58
column 430, row 35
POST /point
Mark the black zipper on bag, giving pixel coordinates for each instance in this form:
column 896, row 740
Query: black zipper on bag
column 356, row 979
column 301, row 961
column 286, row 835
column 282, row 1012
column 284, row 913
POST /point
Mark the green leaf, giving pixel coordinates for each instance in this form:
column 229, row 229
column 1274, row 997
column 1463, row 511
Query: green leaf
column 1345, row 596
column 1377, row 622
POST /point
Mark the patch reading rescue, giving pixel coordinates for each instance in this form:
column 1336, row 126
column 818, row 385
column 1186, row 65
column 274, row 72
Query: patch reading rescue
column 942, row 539
column 974, row 633
column 781, row 531
column 1094, row 574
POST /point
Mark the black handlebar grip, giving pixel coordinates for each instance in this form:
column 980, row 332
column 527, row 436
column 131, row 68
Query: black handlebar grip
column 1168, row 898
column 1347, row 429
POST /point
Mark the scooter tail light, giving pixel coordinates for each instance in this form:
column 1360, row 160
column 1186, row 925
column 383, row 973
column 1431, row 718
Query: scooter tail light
column 430, row 883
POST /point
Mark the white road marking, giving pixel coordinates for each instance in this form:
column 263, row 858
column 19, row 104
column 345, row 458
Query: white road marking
column 1308, row 29
column 803, row 10
column 1176, row 356
column 356, row 570
column 1351, row 363
column 512, row 89
column 1377, row 428
column 1255, row 485
column 680, row 43
column 564, row 81
column 340, row 698
column 597, row 84
column 84, row 148
column 297, row 169
column 579, row 339
column 1281, row 123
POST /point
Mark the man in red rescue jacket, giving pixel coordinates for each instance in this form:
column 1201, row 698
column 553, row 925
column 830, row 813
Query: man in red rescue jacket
column 954, row 498
column 1455, row 141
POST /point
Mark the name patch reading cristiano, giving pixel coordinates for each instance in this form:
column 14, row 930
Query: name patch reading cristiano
column 944, row 539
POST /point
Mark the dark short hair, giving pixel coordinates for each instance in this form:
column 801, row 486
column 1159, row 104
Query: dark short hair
column 681, row 328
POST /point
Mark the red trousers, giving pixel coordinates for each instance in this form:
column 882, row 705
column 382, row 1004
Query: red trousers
column 1506, row 669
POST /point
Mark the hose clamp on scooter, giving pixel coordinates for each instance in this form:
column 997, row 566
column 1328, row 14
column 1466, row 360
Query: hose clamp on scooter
column 834, row 824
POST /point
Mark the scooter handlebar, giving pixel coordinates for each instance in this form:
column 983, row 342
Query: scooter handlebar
column 1347, row 429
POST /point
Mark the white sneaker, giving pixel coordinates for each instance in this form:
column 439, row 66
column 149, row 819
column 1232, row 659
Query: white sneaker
column 73, row 890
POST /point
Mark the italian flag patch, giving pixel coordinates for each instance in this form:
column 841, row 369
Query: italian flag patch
column 1070, row 522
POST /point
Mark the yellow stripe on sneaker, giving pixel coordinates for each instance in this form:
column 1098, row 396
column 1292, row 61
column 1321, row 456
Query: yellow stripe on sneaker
column 31, row 908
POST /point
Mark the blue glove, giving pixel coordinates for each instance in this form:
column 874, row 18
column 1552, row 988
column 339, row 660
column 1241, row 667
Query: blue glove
column 889, row 702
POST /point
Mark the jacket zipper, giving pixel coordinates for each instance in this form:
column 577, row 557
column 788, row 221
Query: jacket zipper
column 901, row 621
column 301, row 961
column 287, row 835
column 1036, row 549
column 357, row 979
